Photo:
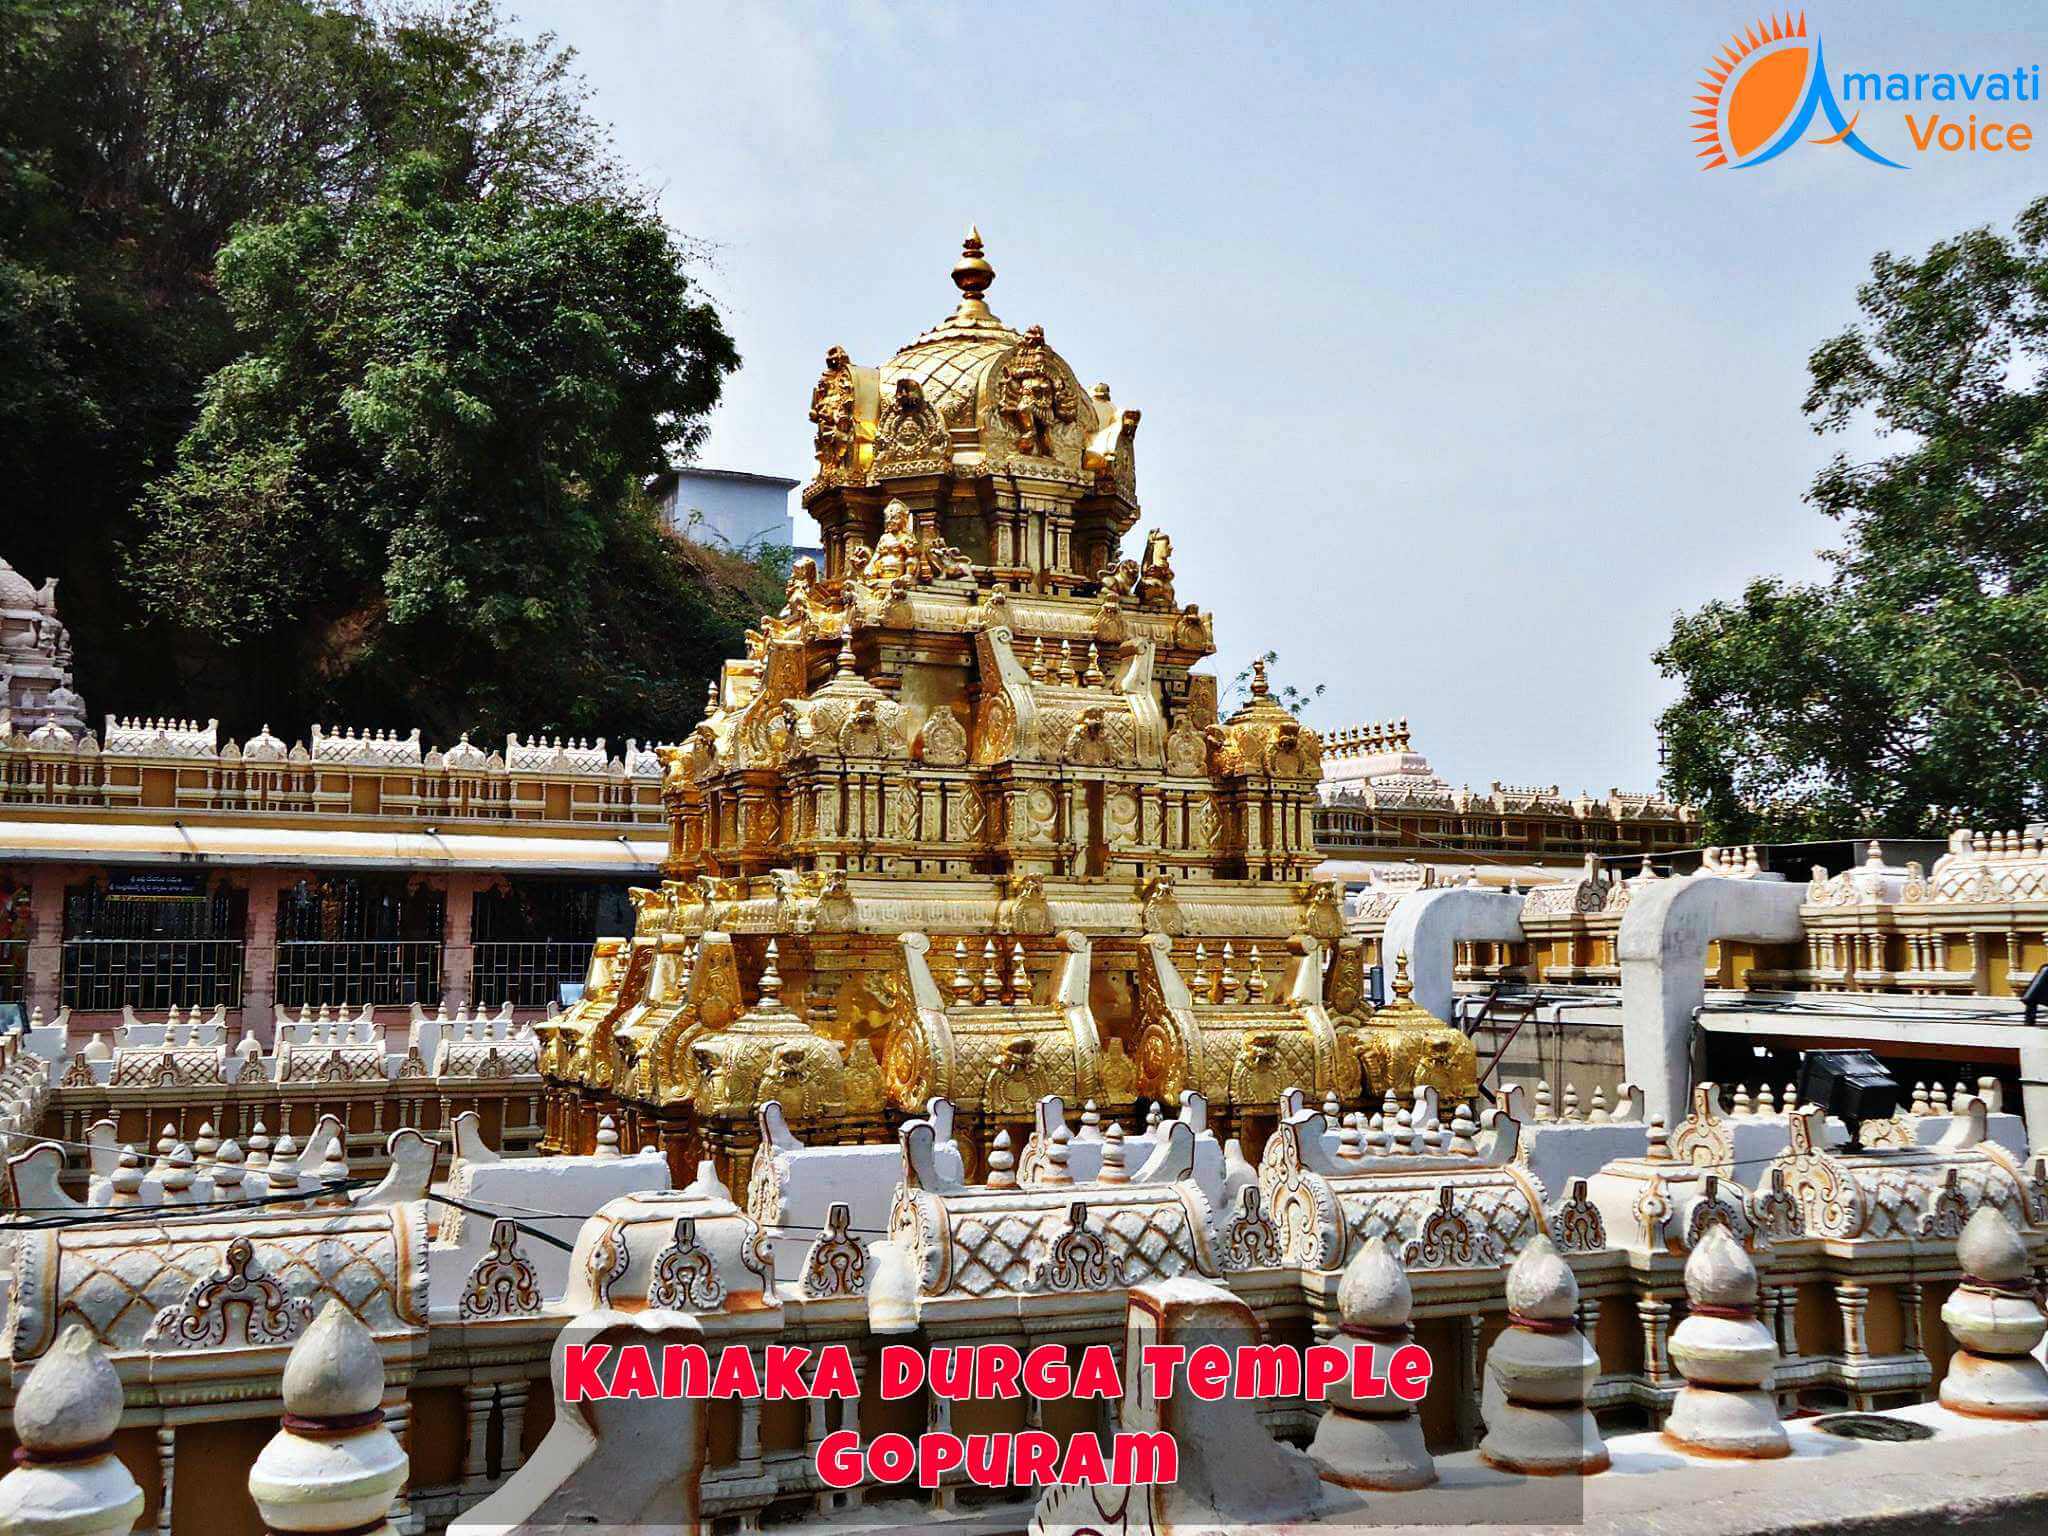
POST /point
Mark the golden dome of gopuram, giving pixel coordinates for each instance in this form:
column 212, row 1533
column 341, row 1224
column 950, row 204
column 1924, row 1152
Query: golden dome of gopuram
column 969, row 400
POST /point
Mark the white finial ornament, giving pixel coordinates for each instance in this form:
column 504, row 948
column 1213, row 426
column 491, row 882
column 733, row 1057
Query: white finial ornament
column 1056, row 1155
column 334, row 1465
column 1541, row 1368
column 1997, row 1323
column 1113, row 1169
column 1658, row 1149
column 1464, row 1131
column 1002, row 1163
column 68, row 1481
column 1727, row 1357
column 1372, row 1441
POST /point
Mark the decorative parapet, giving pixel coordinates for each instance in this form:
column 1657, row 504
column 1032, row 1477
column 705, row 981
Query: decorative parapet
column 1984, row 867
column 247, row 1282
column 138, row 737
column 366, row 749
column 558, row 754
column 182, row 767
column 1067, row 1237
column 1916, row 1194
column 1443, row 1210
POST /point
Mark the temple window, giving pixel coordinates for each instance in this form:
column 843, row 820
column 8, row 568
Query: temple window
column 14, row 919
column 153, row 938
column 534, row 936
column 359, row 940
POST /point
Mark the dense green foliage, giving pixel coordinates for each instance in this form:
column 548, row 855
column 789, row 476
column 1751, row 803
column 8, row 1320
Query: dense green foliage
column 1909, row 691
column 333, row 348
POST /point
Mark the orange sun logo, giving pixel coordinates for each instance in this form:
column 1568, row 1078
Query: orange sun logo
column 1751, row 90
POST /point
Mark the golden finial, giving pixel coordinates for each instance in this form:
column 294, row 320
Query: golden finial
column 1259, row 689
column 971, row 273
column 1402, row 985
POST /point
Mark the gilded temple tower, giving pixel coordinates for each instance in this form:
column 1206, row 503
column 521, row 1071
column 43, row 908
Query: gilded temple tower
column 965, row 818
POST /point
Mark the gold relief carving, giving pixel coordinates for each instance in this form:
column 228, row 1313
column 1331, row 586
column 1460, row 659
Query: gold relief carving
column 717, row 985
column 943, row 741
column 966, row 816
column 1019, row 1078
column 1187, row 751
column 910, row 435
column 1023, row 908
column 1345, row 987
column 1159, row 908
column 1124, row 459
column 787, row 1080
column 1160, row 1062
column 1110, row 630
column 906, row 1069
column 1033, row 398
column 902, row 801
column 1322, row 915
column 1258, row 1075
column 832, row 412
column 1119, row 1073
column 864, row 1083
column 1405, row 1047
column 895, row 553
column 1092, row 743
column 1264, row 740
column 995, row 737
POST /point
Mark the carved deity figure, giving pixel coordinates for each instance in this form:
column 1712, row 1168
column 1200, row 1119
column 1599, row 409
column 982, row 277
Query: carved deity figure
column 1155, row 578
column 832, row 411
column 1031, row 397
column 895, row 553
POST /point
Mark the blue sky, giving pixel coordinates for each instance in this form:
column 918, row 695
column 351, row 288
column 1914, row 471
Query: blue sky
column 1459, row 379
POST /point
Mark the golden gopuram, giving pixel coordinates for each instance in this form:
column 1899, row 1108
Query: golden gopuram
column 966, row 821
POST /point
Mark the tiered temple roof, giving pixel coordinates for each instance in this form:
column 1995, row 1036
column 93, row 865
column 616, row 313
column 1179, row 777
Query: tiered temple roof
column 974, row 741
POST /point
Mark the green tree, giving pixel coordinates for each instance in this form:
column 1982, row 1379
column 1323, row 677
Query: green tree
column 283, row 493
column 409, row 483
column 1909, row 690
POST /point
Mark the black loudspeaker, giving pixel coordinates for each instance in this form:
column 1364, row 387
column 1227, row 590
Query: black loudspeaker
column 1851, row 1085
column 1376, row 985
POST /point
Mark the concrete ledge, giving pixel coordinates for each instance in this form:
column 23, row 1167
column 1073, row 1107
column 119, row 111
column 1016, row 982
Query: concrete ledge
column 1988, row 1475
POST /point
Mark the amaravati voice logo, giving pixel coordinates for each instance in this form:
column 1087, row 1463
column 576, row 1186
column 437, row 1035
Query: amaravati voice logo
column 1761, row 94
